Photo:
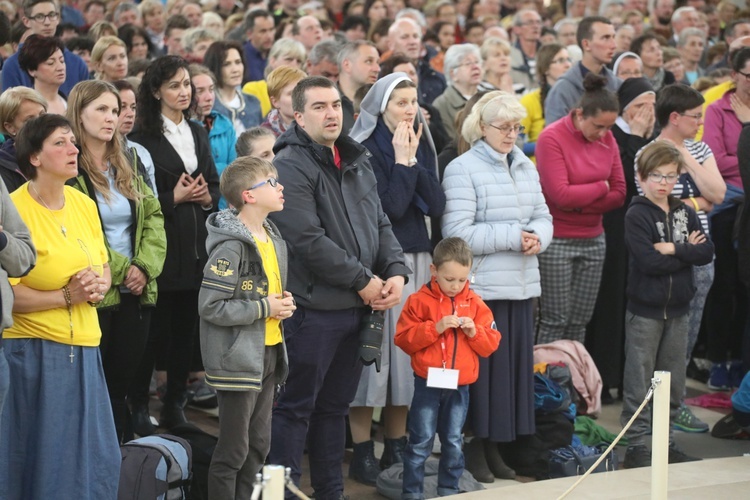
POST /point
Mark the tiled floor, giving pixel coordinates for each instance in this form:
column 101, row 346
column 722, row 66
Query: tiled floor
column 725, row 479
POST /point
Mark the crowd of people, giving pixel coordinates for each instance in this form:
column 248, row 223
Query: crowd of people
column 220, row 197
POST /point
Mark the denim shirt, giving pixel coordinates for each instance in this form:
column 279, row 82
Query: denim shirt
column 249, row 114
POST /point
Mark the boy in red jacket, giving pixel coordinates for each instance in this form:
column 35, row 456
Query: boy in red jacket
column 444, row 327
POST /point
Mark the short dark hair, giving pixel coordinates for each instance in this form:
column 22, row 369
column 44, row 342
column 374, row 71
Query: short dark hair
column 597, row 97
column 452, row 250
column 351, row 22
column 36, row 50
column 586, row 28
column 176, row 22
column 387, row 67
column 656, row 154
column 252, row 15
column 31, row 137
column 675, row 98
column 729, row 30
column 91, row 3
column 299, row 99
column 739, row 58
column 217, row 53
column 121, row 85
column 28, row 5
column 80, row 43
column 637, row 44
column 63, row 27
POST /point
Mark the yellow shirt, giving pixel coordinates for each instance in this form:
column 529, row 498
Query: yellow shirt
column 271, row 267
column 260, row 90
column 534, row 121
column 711, row 96
column 59, row 257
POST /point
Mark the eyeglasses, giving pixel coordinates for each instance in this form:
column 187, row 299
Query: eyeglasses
column 562, row 60
column 533, row 22
column 657, row 178
column 507, row 129
column 52, row 16
column 746, row 75
column 696, row 116
column 273, row 181
column 470, row 63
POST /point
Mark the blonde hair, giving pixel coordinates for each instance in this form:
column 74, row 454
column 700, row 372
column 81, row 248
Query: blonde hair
column 237, row 177
column 280, row 78
column 148, row 6
column 83, row 94
column 286, row 46
column 101, row 29
column 11, row 100
column 497, row 105
column 101, row 46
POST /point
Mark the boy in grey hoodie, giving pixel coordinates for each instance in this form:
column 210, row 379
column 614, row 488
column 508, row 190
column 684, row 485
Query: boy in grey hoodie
column 242, row 303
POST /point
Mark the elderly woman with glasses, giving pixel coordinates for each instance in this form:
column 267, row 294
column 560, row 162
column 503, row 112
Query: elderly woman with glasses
column 494, row 201
column 463, row 73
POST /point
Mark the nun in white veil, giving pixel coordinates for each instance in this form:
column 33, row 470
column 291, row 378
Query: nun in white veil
column 404, row 160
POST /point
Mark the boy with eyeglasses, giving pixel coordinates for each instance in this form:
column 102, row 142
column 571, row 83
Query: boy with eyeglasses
column 242, row 303
column 42, row 18
column 664, row 240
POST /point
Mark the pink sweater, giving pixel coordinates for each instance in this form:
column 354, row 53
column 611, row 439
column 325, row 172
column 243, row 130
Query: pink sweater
column 573, row 172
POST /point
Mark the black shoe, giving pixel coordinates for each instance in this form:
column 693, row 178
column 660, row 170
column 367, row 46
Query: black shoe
column 172, row 415
column 476, row 461
column 607, row 398
column 364, row 467
column 393, row 452
column 495, row 461
column 637, row 456
column 677, row 456
column 141, row 421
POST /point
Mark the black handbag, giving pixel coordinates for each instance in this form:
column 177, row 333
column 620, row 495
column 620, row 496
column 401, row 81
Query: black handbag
column 566, row 462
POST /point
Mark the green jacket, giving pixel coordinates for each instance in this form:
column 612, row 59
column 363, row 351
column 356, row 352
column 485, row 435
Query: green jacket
column 149, row 242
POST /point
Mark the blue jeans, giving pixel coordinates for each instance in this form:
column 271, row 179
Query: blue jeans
column 444, row 411
column 4, row 381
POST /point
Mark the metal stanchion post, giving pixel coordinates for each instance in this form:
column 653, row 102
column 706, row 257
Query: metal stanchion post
column 660, row 439
column 273, row 488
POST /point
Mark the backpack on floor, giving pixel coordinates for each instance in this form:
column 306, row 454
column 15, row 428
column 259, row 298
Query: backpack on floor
column 155, row 467
column 203, row 445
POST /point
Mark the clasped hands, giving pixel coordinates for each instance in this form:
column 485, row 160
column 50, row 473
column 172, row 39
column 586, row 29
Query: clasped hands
column 87, row 286
column 189, row 190
column 282, row 306
column 530, row 244
column 381, row 295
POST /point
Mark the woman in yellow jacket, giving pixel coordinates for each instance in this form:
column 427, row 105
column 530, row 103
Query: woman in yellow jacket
column 552, row 61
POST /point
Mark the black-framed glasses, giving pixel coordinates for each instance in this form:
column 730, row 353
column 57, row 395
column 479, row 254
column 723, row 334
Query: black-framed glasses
column 746, row 75
column 507, row 129
column 273, row 181
column 696, row 116
column 656, row 177
column 52, row 16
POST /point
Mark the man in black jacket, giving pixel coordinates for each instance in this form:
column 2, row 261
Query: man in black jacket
column 343, row 257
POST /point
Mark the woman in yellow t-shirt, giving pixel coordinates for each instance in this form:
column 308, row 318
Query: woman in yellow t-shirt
column 552, row 61
column 57, row 429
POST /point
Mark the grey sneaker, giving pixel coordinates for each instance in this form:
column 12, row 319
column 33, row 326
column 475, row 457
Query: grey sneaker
column 687, row 422
column 677, row 456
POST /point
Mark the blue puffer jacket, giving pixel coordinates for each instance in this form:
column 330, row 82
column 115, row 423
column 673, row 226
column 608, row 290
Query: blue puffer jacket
column 222, row 138
column 249, row 114
column 488, row 205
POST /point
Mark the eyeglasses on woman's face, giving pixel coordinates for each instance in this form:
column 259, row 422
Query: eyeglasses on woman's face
column 507, row 128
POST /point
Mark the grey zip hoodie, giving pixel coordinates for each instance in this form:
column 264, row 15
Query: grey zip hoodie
column 233, row 305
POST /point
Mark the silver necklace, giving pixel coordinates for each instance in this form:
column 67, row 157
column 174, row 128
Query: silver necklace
column 63, row 229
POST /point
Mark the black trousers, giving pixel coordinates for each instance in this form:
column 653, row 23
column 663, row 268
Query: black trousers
column 175, row 321
column 124, row 335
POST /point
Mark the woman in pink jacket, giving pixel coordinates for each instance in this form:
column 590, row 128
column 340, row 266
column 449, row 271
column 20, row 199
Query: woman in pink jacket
column 582, row 178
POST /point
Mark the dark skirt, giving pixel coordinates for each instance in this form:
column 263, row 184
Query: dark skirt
column 501, row 402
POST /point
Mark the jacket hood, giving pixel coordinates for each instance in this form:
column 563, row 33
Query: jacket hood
column 674, row 203
column 225, row 225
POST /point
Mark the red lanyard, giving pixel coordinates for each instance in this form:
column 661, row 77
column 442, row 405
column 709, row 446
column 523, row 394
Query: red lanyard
column 445, row 352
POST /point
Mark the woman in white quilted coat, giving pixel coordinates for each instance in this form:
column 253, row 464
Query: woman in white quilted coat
column 494, row 201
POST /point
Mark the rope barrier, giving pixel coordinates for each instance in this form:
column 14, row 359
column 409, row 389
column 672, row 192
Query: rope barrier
column 654, row 382
column 293, row 487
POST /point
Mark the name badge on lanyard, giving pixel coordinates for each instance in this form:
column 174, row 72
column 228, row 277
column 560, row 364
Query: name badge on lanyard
column 442, row 378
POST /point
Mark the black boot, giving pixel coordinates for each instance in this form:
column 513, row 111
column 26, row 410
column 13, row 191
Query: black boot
column 172, row 414
column 476, row 462
column 141, row 421
column 495, row 461
column 392, row 454
column 364, row 467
